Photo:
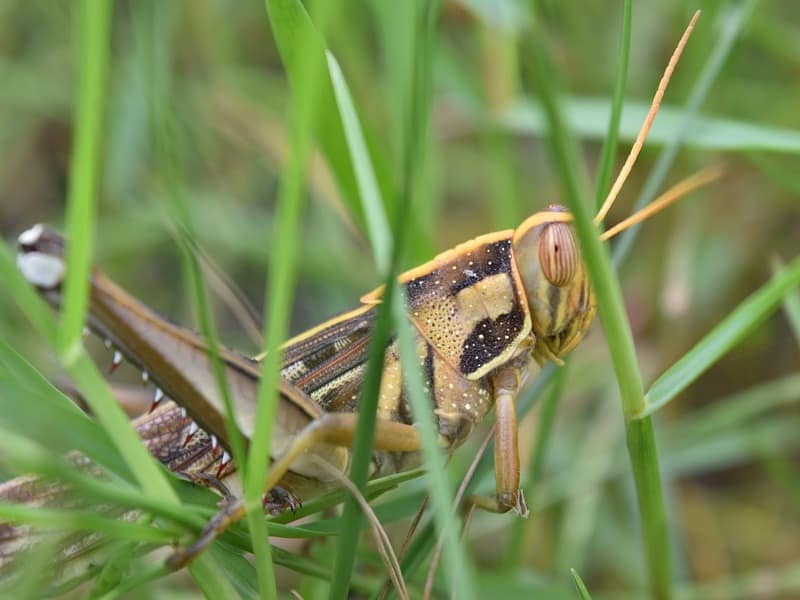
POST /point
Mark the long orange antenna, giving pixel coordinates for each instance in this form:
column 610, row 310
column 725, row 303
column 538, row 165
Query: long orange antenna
column 673, row 194
column 648, row 122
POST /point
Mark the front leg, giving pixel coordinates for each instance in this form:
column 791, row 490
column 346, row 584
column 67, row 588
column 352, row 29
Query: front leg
column 508, row 495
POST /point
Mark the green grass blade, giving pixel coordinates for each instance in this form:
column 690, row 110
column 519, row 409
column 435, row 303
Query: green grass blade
column 297, row 38
column 386, row 257
column 94, row 33
column 609, row 150
column 587, row 116
column 416, row 116
column 791, row 306
column 791, row 302
column 372, row 204
column 583, row 593
column 136, row 581
column 212, row 580
column 155, row 27
column 733, row 328
column 459, row 570
column 290, row 25
column 641, row 440
column 738, row 409
column 87, row 521
column 364, row 439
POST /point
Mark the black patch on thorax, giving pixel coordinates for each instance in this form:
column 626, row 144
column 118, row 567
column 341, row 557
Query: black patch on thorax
column 493, row 259
column 489, row 339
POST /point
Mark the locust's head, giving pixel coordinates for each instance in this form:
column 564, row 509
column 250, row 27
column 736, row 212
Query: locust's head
column 557, row 287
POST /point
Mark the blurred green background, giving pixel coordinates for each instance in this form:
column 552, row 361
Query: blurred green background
column 732, row 476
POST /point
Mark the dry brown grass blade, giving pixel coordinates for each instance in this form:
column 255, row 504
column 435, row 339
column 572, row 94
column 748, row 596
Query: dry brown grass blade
column 381, row 538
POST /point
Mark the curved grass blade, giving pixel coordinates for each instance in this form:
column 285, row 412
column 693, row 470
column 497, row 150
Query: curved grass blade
column 88, row 521
column 297, row 36
column 733, row 328
column 791, row 302
column 583, row 593
column 372, row 204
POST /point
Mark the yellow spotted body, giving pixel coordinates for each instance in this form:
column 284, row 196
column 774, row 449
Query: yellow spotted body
column 496, row 302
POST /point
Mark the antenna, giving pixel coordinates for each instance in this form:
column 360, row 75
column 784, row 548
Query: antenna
column 673, row 194
column 651, row 115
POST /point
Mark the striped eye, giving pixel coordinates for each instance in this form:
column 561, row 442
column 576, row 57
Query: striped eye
column 558, row 254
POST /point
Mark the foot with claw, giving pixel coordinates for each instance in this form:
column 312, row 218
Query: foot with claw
column 278, row 500
column 232, row 509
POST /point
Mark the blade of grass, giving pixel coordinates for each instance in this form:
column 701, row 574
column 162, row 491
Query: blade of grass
column 735, row 410
column 791, row 302
column 583, row 593
column 640, row 437
column 609, row 150
column 514, row 554
column 417, row 116
column 136, row 581
column 441, row 493
column 164, row 135
column 155, row 32
column 93, row 29
column 368, row 401
column 211, row 579
column 372, row 204
column 379, row 233
column 587, row 116
column 76, row 520
column 305, row 66
column 387, row 255
column 297, row 36
column 733, row 329
column 441, row 497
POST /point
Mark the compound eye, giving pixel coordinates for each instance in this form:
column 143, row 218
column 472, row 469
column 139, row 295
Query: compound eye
column 558, row 254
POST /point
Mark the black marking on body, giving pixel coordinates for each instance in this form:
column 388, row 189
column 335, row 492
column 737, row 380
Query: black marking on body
column 489, row 339
column 494, row 258
column 471, row 268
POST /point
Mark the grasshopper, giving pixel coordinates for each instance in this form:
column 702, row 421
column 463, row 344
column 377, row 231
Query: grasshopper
column 486, row 314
